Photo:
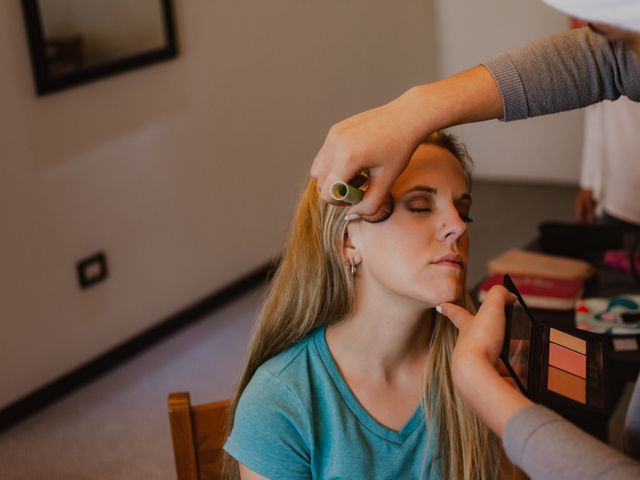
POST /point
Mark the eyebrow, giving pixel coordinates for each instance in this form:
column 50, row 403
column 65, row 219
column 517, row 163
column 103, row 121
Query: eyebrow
column 434, row 191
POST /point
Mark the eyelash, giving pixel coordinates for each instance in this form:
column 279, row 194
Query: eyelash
column 465, row 218
column 418, row 210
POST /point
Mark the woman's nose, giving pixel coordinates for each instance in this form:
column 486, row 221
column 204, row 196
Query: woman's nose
column 452, row 226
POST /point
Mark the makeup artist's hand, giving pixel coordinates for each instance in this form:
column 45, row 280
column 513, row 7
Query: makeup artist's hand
column 475, row 360
column 380, row 141
column 481, row 336
column 383, row 139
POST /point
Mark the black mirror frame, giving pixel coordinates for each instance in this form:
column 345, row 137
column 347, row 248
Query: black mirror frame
column 46, row 83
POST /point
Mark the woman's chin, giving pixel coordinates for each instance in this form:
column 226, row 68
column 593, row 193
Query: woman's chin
column 446, row 294
column 429, row 294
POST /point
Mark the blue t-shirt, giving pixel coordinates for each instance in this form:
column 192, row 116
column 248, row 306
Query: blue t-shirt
column 297, row 419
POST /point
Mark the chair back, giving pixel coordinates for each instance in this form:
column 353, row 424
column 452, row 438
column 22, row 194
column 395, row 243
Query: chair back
column 198, row 434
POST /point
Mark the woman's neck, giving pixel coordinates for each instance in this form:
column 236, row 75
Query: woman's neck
column 382, row 339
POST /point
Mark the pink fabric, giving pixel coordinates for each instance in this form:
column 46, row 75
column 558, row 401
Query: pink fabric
column 619, row 260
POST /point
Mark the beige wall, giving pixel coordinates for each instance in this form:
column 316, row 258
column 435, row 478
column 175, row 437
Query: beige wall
column 545, row 149
column 185, row 172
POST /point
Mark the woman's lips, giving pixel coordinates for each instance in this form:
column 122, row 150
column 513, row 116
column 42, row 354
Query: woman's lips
column 455, row 265
column 450, row 260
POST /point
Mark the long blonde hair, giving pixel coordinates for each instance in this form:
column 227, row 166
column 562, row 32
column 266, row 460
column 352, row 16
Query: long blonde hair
column 311, row 288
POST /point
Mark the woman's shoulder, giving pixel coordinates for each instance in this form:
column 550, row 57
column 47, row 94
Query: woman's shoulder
column 272, row 425
column 285, row 378
column 278, row 397
column 292, row 359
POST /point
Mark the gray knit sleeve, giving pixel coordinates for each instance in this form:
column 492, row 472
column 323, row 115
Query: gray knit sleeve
column 545, row 446
column 569, row 70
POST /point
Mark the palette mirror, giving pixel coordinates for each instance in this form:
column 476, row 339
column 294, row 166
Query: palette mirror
column 76, row 41
column 519, row 334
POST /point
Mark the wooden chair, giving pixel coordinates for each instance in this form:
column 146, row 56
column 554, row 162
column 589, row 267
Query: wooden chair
column 198, row 434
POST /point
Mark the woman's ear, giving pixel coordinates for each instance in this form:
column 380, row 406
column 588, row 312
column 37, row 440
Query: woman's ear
column 350, row 253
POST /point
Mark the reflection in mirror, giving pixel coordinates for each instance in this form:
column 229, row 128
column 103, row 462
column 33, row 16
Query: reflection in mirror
column 78, row 33
column 78, row 40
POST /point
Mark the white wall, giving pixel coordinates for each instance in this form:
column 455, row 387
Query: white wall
column 545, row 149
column 185, row 172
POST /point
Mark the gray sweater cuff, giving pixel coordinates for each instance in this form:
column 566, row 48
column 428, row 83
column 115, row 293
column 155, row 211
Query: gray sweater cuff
column 522, row 426
column 514, row 98
column 546, row 446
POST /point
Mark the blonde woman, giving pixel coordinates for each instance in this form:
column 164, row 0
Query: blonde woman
column 348, row 373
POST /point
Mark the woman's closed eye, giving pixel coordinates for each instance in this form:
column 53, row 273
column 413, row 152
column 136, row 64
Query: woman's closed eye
column 419, row 205
column 423, row 205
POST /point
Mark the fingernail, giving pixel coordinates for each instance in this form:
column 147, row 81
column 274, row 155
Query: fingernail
column 439, row 308
column 351, row 216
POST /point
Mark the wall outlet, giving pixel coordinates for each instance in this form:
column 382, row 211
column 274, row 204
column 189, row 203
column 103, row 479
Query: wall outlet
column 92, row 270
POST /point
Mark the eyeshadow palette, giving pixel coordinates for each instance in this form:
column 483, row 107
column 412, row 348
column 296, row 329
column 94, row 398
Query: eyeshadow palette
column 552, row 365
column 567, row 371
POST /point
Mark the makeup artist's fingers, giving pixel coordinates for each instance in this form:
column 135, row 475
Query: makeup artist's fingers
column 480, row 336
column 380, row 140
column 340, row 158
column 496, row 299
column 381, row 179
column 372, row 200
column 492, row 307
column 490, row 317
column 458, row 315
column 378, row 184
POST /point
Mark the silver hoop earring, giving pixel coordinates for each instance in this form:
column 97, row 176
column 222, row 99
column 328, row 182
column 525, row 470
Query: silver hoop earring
column 351, row 269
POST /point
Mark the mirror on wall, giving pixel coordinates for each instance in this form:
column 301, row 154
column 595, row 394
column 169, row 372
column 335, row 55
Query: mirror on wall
column 76, row 41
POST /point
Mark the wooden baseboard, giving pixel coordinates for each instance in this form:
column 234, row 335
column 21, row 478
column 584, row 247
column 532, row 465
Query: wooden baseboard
column 49, row 393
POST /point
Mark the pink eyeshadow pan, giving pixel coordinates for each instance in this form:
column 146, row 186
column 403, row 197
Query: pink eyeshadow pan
column 568, row 360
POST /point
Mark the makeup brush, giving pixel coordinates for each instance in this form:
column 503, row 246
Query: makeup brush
column 344, row 192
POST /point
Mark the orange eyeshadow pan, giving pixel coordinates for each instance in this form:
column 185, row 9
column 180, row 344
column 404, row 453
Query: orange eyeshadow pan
column 568, row 341
column 567, row 360
column 567, row 385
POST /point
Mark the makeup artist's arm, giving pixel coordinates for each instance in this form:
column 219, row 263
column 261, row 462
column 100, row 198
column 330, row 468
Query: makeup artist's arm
column 566, row 71
column 382, row 139
column 540, row 442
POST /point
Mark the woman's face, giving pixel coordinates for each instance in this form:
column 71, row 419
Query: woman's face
column 418, row 254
